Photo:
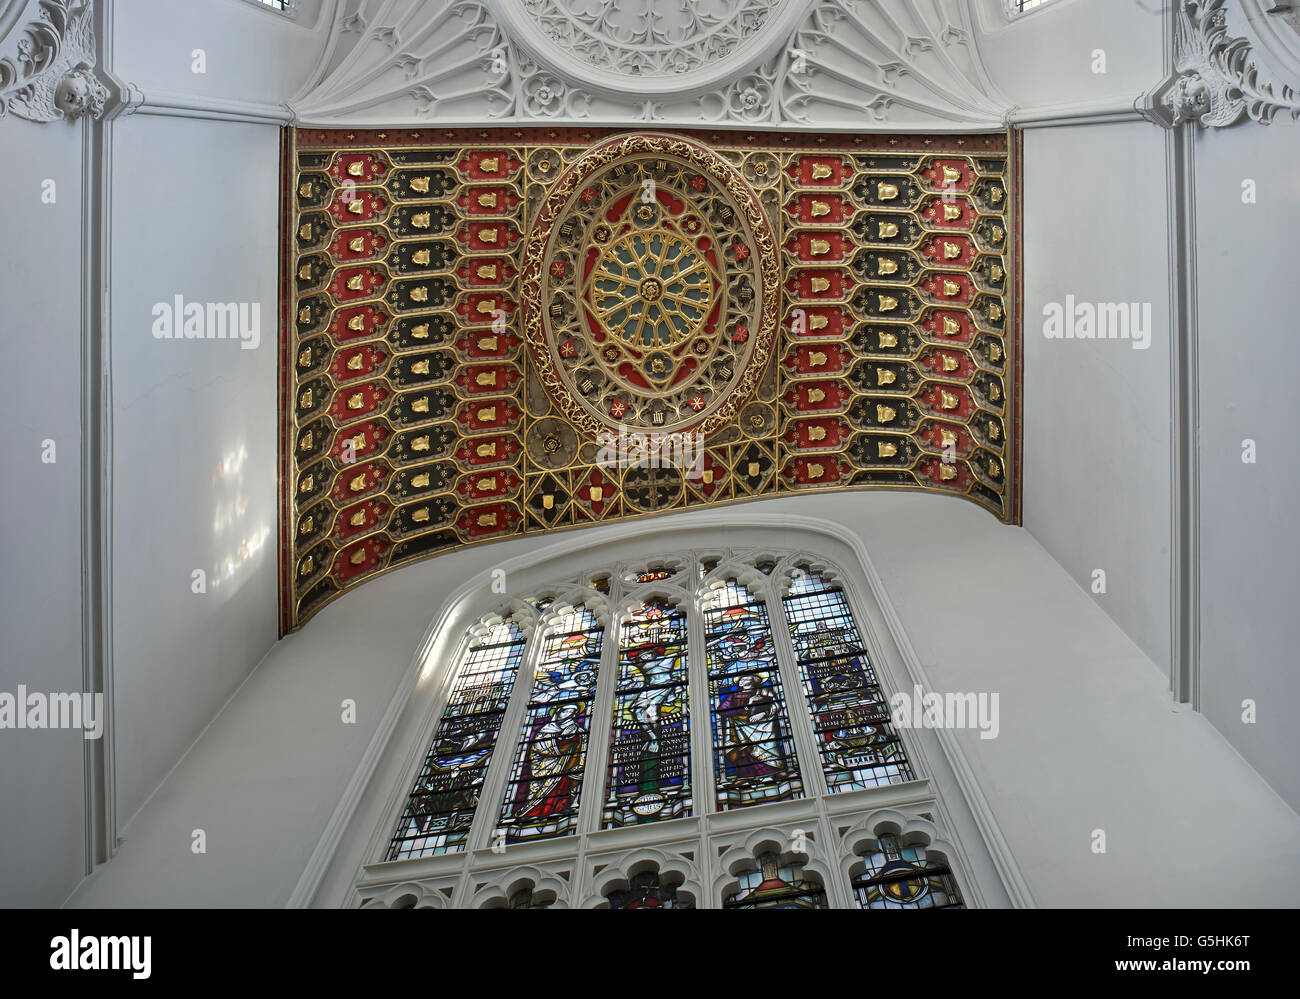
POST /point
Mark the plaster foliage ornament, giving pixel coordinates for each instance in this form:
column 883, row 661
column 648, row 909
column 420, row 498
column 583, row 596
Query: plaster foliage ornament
column 1219, row 79
column 394, row 61
column 651, row 38
column 47, row 59
column 807, row 64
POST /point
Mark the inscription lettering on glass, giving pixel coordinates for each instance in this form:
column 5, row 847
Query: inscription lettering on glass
column 495, row 332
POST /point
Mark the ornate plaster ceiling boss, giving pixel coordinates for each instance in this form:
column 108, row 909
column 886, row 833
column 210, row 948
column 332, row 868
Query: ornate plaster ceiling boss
column 651, row 288
column 649, row 47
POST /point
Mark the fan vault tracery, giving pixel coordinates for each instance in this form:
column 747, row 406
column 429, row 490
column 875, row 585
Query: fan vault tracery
column 511, row 331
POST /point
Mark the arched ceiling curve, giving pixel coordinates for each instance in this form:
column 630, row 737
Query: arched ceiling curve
column 803, row 64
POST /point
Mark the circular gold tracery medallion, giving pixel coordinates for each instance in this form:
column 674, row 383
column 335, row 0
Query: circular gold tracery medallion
column 651, row 288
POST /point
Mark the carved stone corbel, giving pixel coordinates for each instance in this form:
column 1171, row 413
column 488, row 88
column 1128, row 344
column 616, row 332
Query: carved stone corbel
column 47, row 61
column 1217, row 80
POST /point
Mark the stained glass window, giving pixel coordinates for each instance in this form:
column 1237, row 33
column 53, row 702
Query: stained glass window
column 900, row 877
column 753, row 750
column 526, row 898
column 441, row 805
column 651, row 575
column 858, row 744
column 648, row 891
column 543, row 792
column 776, row 885
column 650, row 740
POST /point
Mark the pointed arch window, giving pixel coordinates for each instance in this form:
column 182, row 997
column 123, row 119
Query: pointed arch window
column 753, row 750
column 856, row 740
column 442, row 803
column 542, row 796
column 650, row 740
column 621, row 704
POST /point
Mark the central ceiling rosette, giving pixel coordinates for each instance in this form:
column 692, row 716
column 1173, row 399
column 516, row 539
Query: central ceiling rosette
column 652, row 284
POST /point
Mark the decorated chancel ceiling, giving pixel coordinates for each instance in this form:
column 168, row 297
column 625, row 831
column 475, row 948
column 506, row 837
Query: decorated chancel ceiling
column 497, row 332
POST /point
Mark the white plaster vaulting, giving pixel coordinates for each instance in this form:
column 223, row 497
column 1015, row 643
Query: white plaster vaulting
column 790, row 63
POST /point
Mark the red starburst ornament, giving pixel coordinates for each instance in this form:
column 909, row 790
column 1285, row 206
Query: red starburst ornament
column 617, row 408
column 740, row 334
column 589, row 195
column 696, row 402
column 699, row 183
column 740, row 251
column 558, row 269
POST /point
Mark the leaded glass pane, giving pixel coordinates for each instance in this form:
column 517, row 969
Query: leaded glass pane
column 776, row 886
column 900, row 877
column 753, row 749
column 546, row 780
column 650, row 741
column 441, row 805
column 857, row 742
column 647, row 891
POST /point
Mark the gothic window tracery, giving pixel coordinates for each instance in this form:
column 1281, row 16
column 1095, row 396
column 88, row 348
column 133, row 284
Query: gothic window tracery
column 605, row 756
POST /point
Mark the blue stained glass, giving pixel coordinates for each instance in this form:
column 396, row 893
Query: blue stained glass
column 753, row 750
column 857, row 742
column 776, row 885
column 441, row 805
column 900, row 877
column 650, row 744
column 542, row 798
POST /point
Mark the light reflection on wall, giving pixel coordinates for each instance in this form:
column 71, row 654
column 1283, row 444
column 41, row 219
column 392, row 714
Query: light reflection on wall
column 238, row 541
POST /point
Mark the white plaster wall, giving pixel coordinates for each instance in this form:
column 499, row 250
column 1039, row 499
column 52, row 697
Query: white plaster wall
column 1089, row 736
column 251, row 54
column 195, row 208
column 1097, row 413
column 41, row 786
column 1249, row 351
column 1047, row 56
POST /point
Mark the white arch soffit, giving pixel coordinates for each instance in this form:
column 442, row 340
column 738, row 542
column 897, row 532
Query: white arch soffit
column 813, row 65
column 441, row 640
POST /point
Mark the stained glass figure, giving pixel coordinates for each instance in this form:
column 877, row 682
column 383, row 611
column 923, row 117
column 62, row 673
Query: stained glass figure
column 650, row 742
column 441, row 805
column 600, row 584
column 542, row 795
column 857, row 742
column 753, row 750
column 900, row 877
column 776, row 885
column 647, row 891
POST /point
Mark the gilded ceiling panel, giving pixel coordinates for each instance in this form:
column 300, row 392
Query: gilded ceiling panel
column 499, row 332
